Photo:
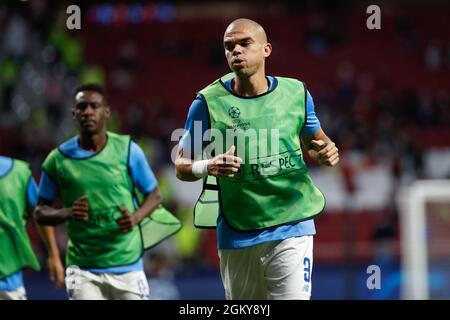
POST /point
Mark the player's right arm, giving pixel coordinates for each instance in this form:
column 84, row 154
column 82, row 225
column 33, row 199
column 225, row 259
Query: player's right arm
column 189, row 169
column 222, row 165
column 46, row 214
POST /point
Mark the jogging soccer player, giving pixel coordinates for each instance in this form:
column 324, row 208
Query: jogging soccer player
column 265, row 225
column 18, row 195
column 94, row 175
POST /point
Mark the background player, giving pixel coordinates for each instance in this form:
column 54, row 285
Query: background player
column 18, row 195
column 94, row 175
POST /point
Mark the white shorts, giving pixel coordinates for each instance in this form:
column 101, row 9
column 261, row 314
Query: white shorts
column 85, row 285
column 278, row 270
column 18, row 294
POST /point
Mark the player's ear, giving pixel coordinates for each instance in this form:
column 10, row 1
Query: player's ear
column 267, row 50
column 107, row 111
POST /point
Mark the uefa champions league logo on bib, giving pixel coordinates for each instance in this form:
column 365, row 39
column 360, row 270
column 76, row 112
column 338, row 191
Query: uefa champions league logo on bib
column 234, row 112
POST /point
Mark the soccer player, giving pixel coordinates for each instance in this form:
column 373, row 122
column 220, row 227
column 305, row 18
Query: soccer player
column 94, row 175
column 265, row 226
column 18, row 195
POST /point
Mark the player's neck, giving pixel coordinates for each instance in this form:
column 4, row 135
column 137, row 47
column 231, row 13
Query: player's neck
column 93, row 142
column 252, row 86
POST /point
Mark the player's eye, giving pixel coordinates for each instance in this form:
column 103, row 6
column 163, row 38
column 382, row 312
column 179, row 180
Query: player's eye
column 229, row 46
column 81, row 106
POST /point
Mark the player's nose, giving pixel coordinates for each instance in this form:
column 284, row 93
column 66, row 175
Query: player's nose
column 237, row 50
column 89, row 109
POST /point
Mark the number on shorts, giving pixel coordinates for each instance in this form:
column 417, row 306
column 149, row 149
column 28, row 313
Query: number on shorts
column 307, row 269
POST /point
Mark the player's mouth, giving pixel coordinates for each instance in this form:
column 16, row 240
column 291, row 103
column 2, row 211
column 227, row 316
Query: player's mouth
column 87, row 123
column 237, row 61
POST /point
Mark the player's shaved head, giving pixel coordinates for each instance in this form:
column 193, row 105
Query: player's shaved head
column 249, row 25
column 246, row 47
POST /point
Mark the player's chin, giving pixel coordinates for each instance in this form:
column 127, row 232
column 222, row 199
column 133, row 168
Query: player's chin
column 89, row 129
column 239, row 69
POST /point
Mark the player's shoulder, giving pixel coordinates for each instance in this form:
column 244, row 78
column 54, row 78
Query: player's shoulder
column 6, row 161
column 66, row 147
column 216, row 84
column 290, row 83
column 22, row 164
column 53, row 155
column 118, row 136
column 198, row 105
column 121, row 143
column 207, row 88
column 291, row 80
column 135, row 147
column 8, row 164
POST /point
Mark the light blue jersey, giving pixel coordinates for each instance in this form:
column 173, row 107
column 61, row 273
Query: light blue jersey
column 227, row 238
column 12, row 282
column 15, row 280
column 141, row 175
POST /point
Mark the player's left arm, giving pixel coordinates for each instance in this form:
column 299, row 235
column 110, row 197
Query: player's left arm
column 145, row 181
column 129, row 220
column 321, row 148
column 318, row 144
column 54, row 263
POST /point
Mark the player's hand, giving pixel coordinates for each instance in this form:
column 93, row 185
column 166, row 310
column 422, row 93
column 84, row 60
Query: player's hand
column 325, row 153
column 80, row 209
column 224, row 165
column 56, row 270
column 127, row 221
